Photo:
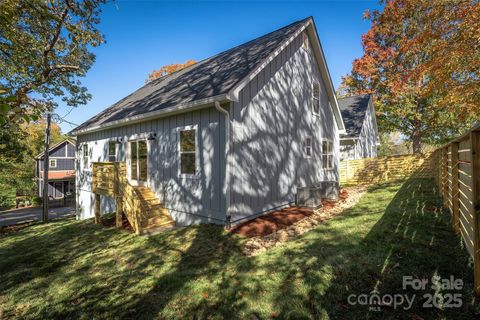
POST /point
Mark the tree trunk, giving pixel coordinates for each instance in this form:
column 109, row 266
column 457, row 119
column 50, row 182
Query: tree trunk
column 416, row 138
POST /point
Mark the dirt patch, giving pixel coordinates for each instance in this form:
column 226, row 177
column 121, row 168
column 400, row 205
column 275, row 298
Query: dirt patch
column 271, row 222
column 109, row 221
column 259, row 243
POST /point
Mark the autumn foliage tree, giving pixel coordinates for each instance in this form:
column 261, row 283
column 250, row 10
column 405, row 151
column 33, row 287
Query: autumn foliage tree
column 168, row 69
column 421, row 61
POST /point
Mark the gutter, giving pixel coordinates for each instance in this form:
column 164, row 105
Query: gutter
column 226, row 185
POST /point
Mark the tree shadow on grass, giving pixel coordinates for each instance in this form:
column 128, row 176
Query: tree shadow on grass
column 372, row 246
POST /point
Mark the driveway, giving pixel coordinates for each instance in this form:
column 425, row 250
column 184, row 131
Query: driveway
column 15, row 216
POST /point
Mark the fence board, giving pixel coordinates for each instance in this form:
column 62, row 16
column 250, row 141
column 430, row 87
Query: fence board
column 372, row 170
column 458, row 181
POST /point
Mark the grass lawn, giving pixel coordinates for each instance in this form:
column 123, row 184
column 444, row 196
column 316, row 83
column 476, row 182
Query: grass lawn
column 70, row 269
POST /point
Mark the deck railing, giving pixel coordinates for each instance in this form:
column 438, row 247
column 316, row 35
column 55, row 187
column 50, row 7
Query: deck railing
column 110, row 179
column 457, row 176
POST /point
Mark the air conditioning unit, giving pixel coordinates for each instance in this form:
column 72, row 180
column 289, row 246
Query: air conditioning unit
column 312, row 197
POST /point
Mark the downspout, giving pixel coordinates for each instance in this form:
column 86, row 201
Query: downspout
column 226, row 185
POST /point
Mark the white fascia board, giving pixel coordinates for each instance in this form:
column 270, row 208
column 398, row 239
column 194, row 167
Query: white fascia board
column 317, row 47
column 181, row 108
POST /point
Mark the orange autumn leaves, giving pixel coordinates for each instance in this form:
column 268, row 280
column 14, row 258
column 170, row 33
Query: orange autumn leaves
column 422, row 61
column 168, row 69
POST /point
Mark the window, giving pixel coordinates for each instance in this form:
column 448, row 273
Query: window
column 52, row 163
column 307, row 147
column 188, row 151
column 112, row 151
column 85, row 155
column 327, row 154
column 316, row 98
column 305, row 40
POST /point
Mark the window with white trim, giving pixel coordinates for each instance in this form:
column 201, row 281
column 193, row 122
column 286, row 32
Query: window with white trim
column 188, row 151
column 327, row 154
column 52, row 163
column 85, row 155
column 316, row 98
column 307, row 147
column 305, row 40
column 112, row 151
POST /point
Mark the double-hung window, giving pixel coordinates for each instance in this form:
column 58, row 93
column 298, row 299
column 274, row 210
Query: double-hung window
column 327, row 154
column 85, row 155
column 188, row 151
column 316, row 98
column 307, row 147
column 112, row 151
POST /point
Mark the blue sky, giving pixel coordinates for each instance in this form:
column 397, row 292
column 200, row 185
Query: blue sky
column 144, row 35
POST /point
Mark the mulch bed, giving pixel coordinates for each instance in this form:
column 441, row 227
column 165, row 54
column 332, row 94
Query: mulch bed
column 272, row 221
column 280, row 219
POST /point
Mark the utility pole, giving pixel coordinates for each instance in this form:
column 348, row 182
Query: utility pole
column 46, row 165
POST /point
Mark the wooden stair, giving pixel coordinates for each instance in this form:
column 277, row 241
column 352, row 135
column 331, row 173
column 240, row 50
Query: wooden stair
column 153, row 217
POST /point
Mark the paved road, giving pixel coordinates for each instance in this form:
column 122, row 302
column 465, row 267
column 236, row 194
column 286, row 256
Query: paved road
column 14, row 216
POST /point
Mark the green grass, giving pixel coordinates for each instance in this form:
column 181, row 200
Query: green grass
column 71, row 269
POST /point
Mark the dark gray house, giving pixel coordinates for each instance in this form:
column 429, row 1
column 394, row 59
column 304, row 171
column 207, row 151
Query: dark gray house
column 226, row 139
column 61, row 175
column 361, row 137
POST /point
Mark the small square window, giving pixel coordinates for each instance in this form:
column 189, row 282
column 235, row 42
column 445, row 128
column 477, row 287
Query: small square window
column 52, row 163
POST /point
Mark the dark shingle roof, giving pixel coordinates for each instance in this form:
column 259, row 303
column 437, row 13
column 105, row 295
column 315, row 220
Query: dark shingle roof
column 353, row 111
column 208, row 78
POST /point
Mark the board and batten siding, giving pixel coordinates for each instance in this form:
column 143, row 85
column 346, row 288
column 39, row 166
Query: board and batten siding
column 365, row 146
column 189, row 200
column 269, row 124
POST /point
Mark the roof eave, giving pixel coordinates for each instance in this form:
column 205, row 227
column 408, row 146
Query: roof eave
column 181, row 108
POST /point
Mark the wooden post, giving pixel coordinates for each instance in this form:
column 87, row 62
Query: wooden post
column 475, row 152
column 97, row 208
column 118, row 196
column 445, row 177
column 455, row 189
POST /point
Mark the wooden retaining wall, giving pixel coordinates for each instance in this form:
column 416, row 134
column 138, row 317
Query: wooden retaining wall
column 457, row 176
column 382, row 169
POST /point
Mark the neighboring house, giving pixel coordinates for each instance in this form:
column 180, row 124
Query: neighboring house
column 361, row 137
column 61, row 172
column 224, row 140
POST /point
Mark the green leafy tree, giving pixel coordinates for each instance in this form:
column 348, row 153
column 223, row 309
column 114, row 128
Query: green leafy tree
column 44, row 50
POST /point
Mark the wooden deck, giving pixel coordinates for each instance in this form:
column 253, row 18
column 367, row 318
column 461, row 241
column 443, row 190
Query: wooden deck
column 143, row 209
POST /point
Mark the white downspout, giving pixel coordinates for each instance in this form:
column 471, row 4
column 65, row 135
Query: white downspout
column 226, row 185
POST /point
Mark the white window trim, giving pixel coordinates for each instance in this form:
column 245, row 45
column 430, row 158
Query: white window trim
column 305, row 44
column 315, row 81
column 114, row 153
column 85, row 158
column 327, row 154
column 50, row 161
column 304, row 151
column 197, row 157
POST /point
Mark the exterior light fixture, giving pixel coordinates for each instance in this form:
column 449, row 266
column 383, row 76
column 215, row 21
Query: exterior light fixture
column 119, row 140
column 152, row 136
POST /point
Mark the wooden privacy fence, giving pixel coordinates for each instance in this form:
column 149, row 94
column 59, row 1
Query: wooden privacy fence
column 381, row 169
column 457, row 176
